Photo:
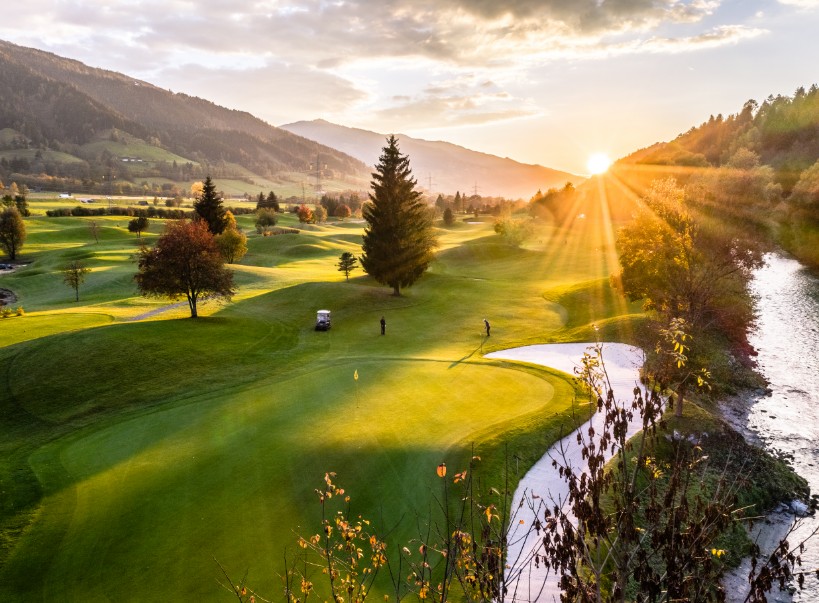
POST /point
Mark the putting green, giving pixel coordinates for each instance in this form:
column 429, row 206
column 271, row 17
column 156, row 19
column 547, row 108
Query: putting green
column 225, row 476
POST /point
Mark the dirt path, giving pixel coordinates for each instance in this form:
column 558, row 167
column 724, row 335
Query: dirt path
column 156, row 311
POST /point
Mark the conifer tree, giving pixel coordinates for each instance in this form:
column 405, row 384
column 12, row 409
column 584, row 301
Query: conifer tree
column 347, row 262
column 209, row 208
column 269, row 202
column 399, row 239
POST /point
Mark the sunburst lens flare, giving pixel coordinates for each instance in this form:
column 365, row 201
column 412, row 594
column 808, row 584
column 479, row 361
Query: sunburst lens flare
column 598, row 163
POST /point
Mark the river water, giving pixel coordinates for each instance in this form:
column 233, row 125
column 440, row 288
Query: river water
column 787, row 340
column 785, row 419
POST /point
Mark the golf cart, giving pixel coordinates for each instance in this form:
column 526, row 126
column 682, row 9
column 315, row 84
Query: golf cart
column 323, row 320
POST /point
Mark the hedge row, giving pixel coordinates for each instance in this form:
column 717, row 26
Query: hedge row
column 146, row 212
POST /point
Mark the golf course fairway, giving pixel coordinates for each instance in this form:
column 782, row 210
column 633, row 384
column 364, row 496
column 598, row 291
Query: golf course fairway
column 140, row 445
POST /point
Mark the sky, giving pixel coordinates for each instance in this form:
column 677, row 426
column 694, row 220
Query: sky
column 541, row 81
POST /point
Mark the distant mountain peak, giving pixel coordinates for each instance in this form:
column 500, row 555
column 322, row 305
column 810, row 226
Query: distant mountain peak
column 450, row 167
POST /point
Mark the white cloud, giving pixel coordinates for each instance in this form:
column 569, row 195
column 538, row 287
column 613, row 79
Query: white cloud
column 801, row 3
column 326, row 34
column 442, row 108
column 275, row 92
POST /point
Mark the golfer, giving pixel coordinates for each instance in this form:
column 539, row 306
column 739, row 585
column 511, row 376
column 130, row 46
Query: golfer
column 486, row 324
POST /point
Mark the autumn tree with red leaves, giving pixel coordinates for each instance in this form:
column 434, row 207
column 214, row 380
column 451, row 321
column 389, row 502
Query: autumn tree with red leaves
column 185, row 262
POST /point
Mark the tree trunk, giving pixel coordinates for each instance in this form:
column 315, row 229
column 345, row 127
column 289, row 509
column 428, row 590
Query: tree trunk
column 396, row 291
column 678, row 404
column 192, row 305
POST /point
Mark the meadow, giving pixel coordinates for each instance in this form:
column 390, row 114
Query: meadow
column 139, row 445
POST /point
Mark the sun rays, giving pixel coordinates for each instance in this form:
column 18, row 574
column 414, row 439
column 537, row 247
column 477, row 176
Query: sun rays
column 598, row 163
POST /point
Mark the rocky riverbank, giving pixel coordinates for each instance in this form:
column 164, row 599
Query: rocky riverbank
column 770, row 531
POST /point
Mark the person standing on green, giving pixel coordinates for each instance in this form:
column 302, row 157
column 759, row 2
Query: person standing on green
column 383, row 326
column 486, row 324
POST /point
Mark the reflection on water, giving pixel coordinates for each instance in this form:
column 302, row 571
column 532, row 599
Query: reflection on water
column 787, row 339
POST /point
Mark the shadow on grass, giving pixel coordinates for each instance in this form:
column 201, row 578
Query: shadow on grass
column 467, row 357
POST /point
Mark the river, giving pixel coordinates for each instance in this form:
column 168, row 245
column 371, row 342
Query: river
column 786, row 419
column 787, row 340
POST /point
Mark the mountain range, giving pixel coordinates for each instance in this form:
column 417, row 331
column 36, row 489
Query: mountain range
column 65, row 125
column 79, row 118
column 440, row 166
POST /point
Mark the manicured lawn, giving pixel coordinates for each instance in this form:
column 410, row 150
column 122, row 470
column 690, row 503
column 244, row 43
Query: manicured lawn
column 136, row 451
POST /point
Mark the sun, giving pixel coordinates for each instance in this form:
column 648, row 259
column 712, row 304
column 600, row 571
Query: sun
column 598, row 163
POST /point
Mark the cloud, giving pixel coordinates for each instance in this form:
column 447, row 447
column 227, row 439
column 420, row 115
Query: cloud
column 327, row 34
column 806, row 4
column 461, row 101
column 275, row 92
column 719, row 36
column 332, row 56
column 446, row 112
column 581, row 17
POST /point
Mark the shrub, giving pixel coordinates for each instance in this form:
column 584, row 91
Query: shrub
column 514, row 232
column 343, row 211
column 305, row 214
column 232, row 245
column 265, row 221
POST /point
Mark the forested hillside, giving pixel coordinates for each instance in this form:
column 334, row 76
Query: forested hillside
column 783, row 131
column 59, row 106
column 760, row 165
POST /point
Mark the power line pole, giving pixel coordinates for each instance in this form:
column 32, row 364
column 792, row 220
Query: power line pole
column 318, row 176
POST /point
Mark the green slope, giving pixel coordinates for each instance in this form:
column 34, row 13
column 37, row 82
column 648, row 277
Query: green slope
column 135, row 451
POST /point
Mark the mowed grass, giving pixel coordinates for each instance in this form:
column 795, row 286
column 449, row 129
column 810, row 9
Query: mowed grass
column 137, row 447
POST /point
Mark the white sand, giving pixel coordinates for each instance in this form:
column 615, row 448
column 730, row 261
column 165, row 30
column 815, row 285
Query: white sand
column 542, row 484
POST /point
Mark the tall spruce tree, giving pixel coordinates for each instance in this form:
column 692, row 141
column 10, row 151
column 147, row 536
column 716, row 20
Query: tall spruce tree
column 209, row 207
column 399, row 239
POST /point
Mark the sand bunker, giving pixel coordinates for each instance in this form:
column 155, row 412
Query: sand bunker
column 542, row 484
